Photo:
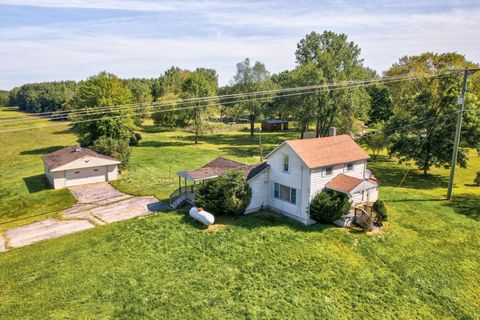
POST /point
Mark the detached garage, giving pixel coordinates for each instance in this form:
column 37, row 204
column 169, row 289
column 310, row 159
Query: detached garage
column 72, row 166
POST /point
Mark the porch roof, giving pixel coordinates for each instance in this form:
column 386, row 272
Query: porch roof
column 219, row 167
column 350, row 185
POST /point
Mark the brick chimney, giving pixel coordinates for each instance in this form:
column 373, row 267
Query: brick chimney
column 332, row 131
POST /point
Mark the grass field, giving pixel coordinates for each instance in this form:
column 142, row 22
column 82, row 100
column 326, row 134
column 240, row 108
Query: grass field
column 423, row 265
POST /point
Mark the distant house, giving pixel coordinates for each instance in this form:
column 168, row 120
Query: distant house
column 295, row 171
column 274, row 125
column 75, row 165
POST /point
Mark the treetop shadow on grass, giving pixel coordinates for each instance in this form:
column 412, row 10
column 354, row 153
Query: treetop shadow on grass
column 41, row 150
column 164, row 143
column 36, row 183
column 467, row 204
column 63, row 131
column 392, row 175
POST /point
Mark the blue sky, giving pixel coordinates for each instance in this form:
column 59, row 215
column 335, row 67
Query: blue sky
column 73, row 39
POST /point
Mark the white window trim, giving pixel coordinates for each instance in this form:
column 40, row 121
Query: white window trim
column 290, row 193
column 345, row 167
column 285, row 156
column 324, row 171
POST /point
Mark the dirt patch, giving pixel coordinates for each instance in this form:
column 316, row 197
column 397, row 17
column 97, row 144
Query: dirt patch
column 215, row 227
column 2, row 244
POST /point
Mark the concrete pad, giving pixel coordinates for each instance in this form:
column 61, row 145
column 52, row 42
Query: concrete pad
column 2, row 244
column 127, row 209
column 81, row 207
column 43, row 230
column 85, row 215
column 91, row 193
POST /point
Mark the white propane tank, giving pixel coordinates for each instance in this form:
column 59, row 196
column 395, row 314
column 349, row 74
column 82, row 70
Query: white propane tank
column 202, row 216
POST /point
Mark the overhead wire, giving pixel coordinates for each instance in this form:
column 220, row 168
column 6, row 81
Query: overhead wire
column 315, row 90
column 58, row 115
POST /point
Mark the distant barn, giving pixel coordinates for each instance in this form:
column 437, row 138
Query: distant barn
column 274, row 125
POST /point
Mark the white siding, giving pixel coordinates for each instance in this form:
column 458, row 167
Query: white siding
column 259, row 185
column 297, row 177
column 319, row 179
column 76, row 177
column 112, row 172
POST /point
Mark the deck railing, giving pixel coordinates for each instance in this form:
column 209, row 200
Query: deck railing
column 188, row 191
column 366, row 217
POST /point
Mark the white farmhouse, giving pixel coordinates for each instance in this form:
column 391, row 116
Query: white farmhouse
column 294, row 172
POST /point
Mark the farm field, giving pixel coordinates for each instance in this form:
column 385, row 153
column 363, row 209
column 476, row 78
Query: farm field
column 424, row 264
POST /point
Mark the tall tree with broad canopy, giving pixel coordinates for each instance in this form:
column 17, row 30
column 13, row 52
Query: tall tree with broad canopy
column 103, row 90
column 303, row 108
column 251, row 78
column 380, row 104
column 196, row 85
column 422, row 128
column 339, row 60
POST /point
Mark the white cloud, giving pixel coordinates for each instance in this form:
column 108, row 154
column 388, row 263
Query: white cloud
column 140, row 5
column 55, row 51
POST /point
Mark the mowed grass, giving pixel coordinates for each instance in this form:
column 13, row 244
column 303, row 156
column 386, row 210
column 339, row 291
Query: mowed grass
column 25, row 194
column 424, row 264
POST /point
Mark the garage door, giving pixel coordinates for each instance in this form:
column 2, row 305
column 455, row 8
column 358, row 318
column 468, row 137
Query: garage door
column 84, row 176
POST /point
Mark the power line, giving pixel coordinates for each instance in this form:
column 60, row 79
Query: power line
column 191, row 107
column 169, row 110
column 64, row 114
column 107, row 109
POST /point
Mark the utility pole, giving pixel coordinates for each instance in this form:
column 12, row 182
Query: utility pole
column 260, row 141
column 461, row 110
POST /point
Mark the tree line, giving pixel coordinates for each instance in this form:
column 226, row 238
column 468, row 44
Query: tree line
column 413, row 119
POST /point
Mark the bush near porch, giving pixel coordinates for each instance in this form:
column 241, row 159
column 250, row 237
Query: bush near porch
column 226, row 195
column 329, row 205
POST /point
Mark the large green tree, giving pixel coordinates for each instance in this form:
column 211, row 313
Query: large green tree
column 196, row 85
column 380, row 104
column 303, row 108
column 422, row 128
column 115, row 121
column 339, row 60
column 251, row 78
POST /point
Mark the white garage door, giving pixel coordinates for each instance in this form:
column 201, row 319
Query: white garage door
column 84, row 176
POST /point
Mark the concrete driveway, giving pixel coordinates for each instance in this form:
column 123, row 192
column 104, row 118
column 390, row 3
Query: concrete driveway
column 98, row 204
column 98, row 193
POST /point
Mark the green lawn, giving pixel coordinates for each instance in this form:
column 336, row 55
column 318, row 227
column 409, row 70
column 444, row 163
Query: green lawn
column 424, row 264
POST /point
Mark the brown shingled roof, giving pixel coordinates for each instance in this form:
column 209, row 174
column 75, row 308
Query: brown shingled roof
column 321, row 152
column 343, row 183
column 68, row 154
column 220, row 166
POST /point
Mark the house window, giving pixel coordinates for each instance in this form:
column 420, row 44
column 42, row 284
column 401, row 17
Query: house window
column 286, row 161
column 285, row 193
column 328, row 171
column 349, row 167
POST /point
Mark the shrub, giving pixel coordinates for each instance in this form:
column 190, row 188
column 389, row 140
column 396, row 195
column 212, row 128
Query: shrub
column 226, row 195
column 328, row 206
column 118, row 149
column 477, row 179
column 135, row 139
column 379, row 207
